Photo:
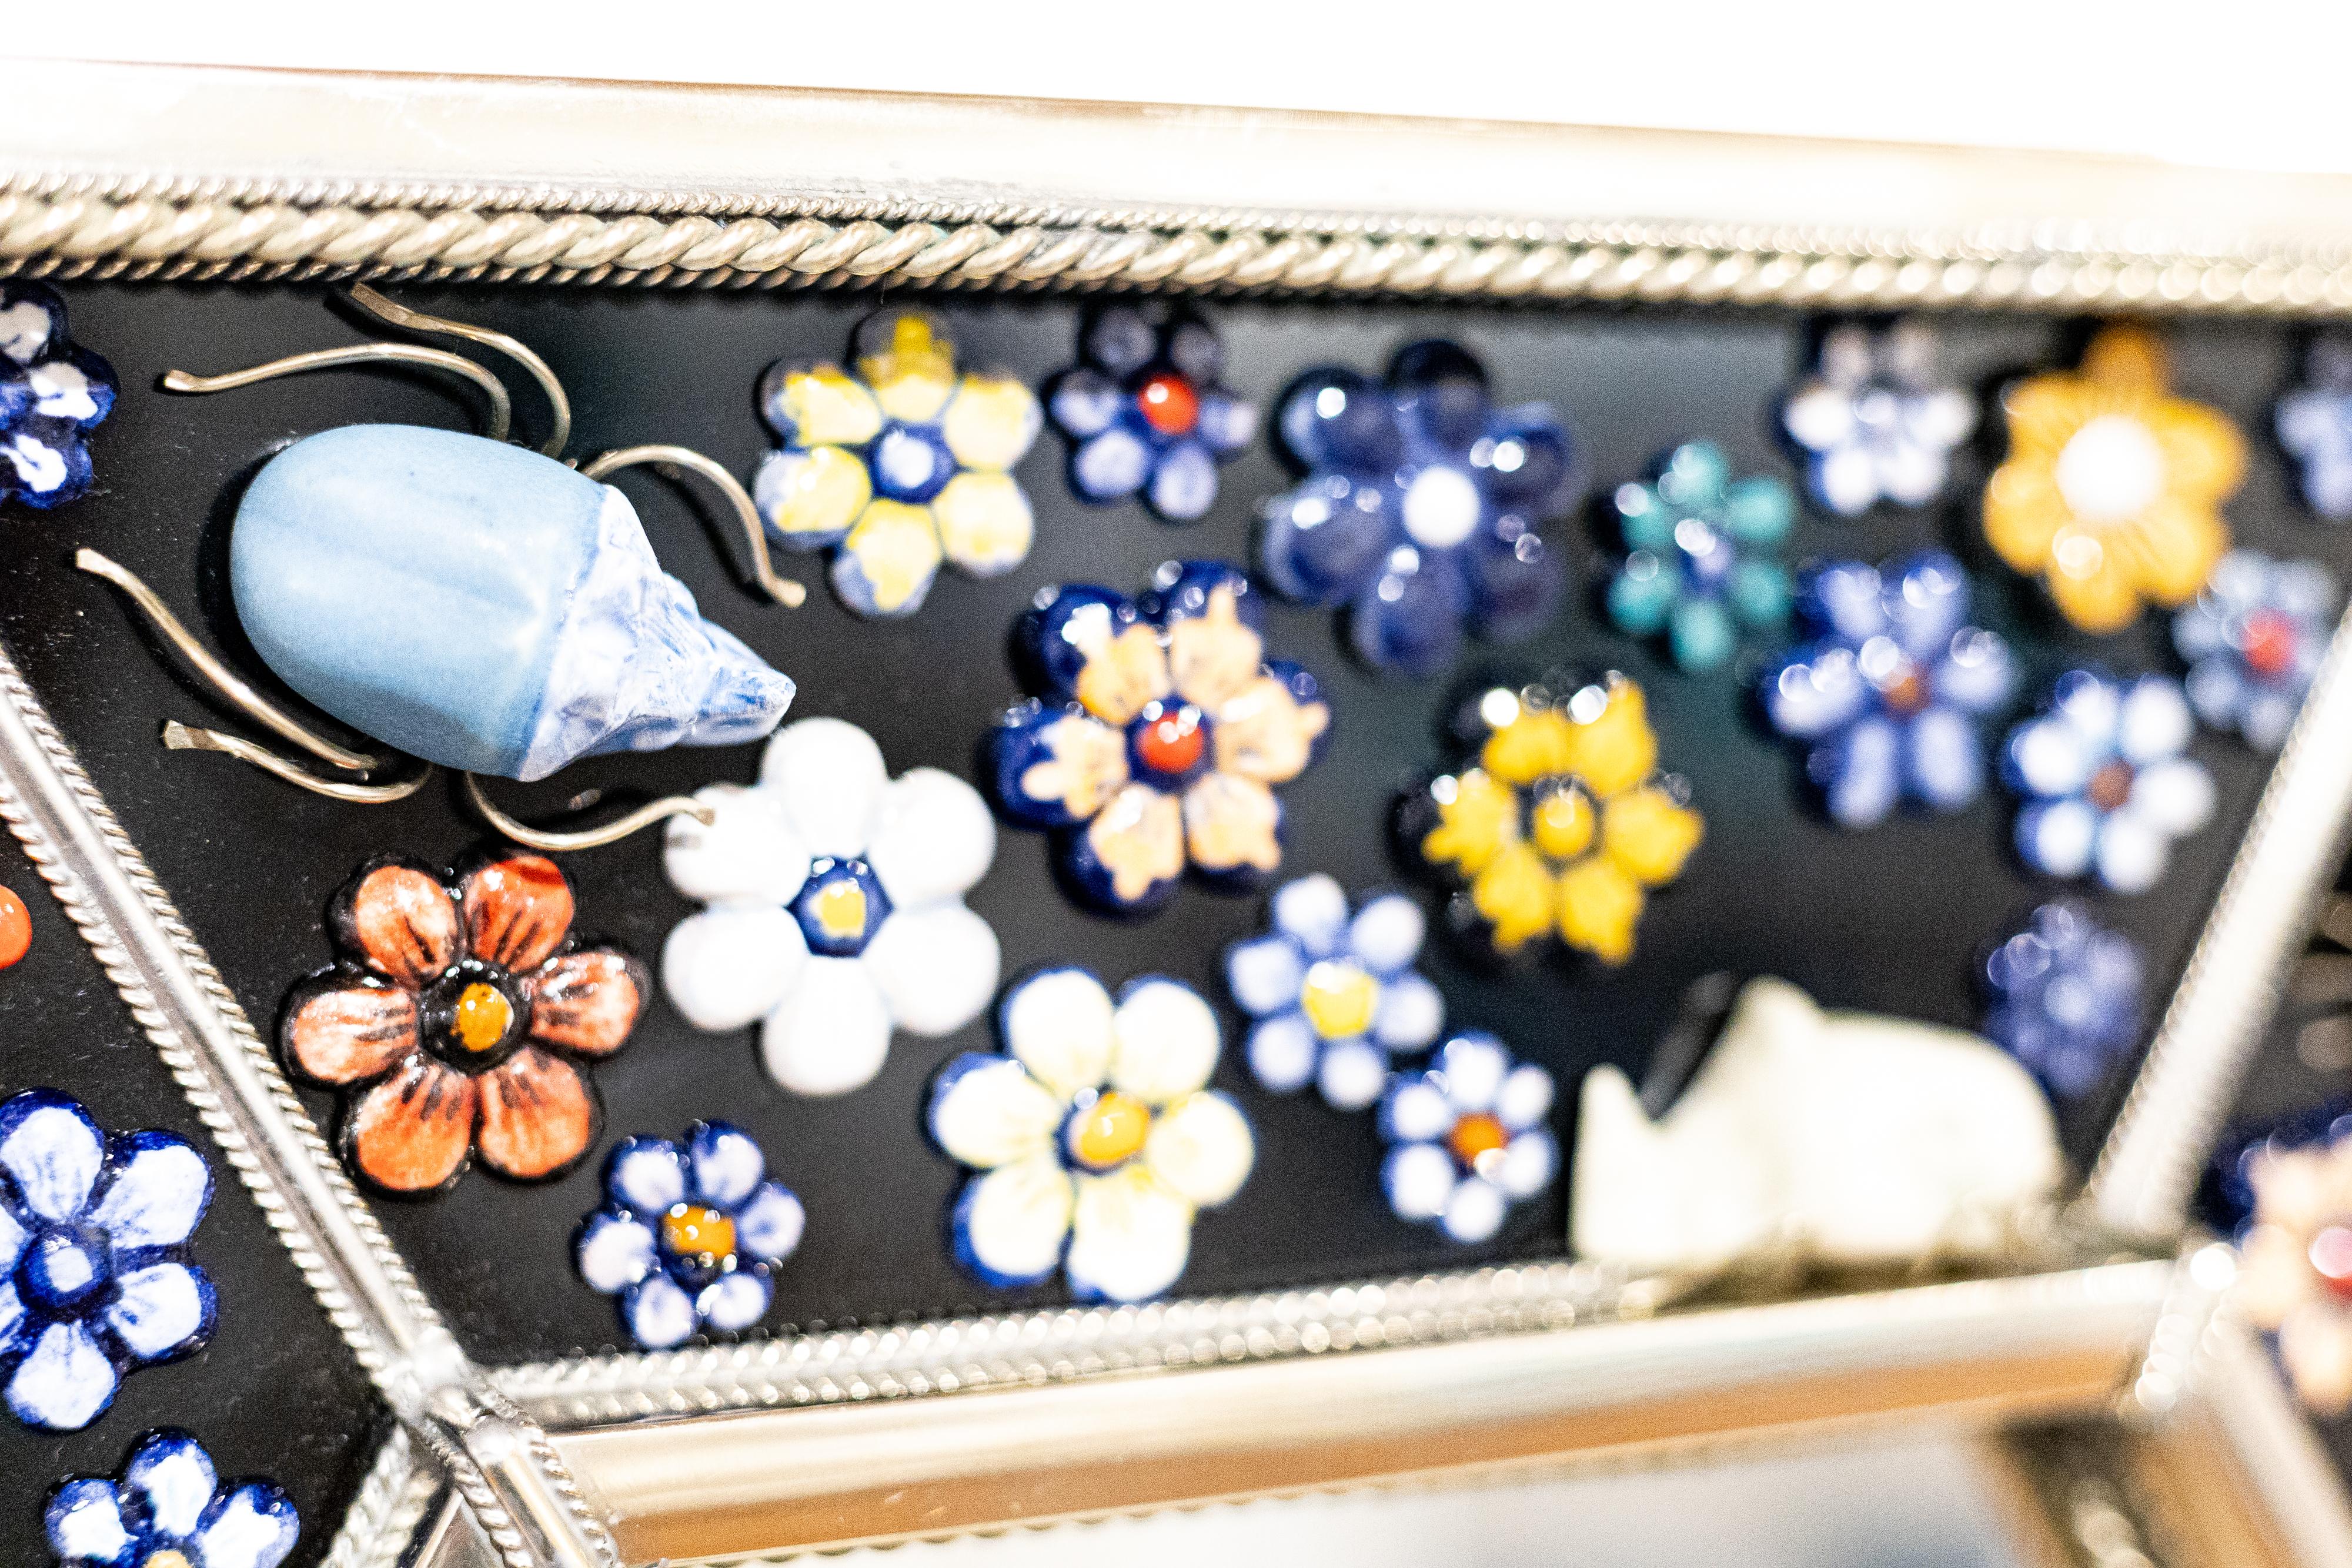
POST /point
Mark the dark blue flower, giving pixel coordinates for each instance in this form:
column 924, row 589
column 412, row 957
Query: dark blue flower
column 1147, row 413
column 2068, row 997
column 52, row 395
column 169, row 1509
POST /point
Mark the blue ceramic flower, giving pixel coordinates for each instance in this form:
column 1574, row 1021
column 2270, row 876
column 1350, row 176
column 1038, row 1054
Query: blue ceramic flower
column 2067, row 997
column 2314, row 425
column 169, row 1509
column 1420, row 507
column 52, row 395
column 2106, row 786
column 1875, row 423
column 1890, row 690
column 1332, row 995
column 1703, row 556
column 2254, row 638
column 94, row 1276
column 688, row 1234
column 1467, row 1138
column 1160, row 736
column 1147, row 411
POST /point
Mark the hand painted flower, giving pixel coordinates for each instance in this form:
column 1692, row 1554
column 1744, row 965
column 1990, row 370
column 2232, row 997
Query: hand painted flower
column 169, row 1509
column 1419, row 508
column 1147, row 413
column 1875, row 421
column 689, row 1235
column 1334, row 995
column 2068, row 994
column 52, row 395
column 460, row 1017
column 2314, row 425
column 2106, row 788
column 836, row 908
column 1890, row 690
column 1703, row 556
column 898, row 468
column 2113, row 488
column 1466, row 1138
column 2254, row 638
column 94, row 1272
column 1163, row 734
column 1564, row 822
column 2294, row 1271
column 1096, row 1134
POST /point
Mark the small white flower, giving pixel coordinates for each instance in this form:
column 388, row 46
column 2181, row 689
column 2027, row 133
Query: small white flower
column 1875, row 421
column 2106, row 785
column 1468, row 1138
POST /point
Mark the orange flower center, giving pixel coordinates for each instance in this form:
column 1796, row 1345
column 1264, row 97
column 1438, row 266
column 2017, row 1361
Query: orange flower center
column 484, row 1016
column 2111, row 786
column 692, row 1230
column 1109, row 1130
column 1907, row 694
column 1475, row 1136
column 1170, row 404
column 2270, row 643
column 1169, row 741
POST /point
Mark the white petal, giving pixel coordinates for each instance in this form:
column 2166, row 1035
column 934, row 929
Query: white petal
column 827, row 776
column 52, row 1149
column 2051, row 757
column 1524, row 1098
column 85, row 1522
column 726, row 1164
column 2093, row 706
column 733, row 1302
column 2132, row 851
column 1281, row 1053
column 748, row 853
column 1130, row 1237
column 990, row 1111
column 1472, row 1066
column 256, row 1528
column 158, row 1310
column 1417, row 1112
column 614, row 1252
column 829, row 1034
column 157, row 1195
column 1167, row 1041
column 2175, row 795
column 659, row 1313
column 13, row 1316
column 1264, row 974
column 1847, row 478
column 2155, row 722
column 727, row 967
column 1202, row 1148
column 64, row 1382
column 1818, row 416
column 1411, row 1016
column 1529, row 1162
column 1058, row 1022
column 648, row 1175
column 12, row 1248
column 936, row 964
column 1386, row 933
column 1351, row 1075
column 1420, row 1179
column 933, row 838
column 1475, row 1212
column 771, row 1225
column 177, row 1478
column 1010, row 1223
column 1313, row 910
column 2057, row 837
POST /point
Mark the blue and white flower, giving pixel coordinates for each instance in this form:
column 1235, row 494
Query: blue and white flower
column 2068, row 997
column 2254, row 638
column 1096, row 1136
column 169, row 1509
column 689, row 1234
column 1147, row 413
column 2106, row 788
column 1467, row 1137
column 1875, row 421
column 2314, row 425
column 52, row 395
column 1334, row 995
column 1890, row 691
column 94, row 1276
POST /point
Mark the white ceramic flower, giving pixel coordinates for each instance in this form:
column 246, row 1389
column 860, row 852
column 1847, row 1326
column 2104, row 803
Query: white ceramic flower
column 835, row 909
column 1096, row 1135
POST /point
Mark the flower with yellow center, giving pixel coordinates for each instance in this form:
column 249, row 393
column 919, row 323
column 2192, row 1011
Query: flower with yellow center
column 1564, row 824
column 2112, row 492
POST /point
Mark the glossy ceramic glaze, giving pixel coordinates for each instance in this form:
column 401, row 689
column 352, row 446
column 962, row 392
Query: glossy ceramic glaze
column 1148, row 413
column 53, row 394
column 1702, row 565
column 2106, row 786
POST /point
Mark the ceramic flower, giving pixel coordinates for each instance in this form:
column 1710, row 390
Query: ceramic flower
column 1148, row 413
column 688, row 1234
column 1331, row 994
column 1889, row 691
column 94, row 1273
column 460, row 1015
column 2068, row 995
column 1466, row 1138
column 52, row 395
column 1564, row 824
column 2295, row 1274
column 1160, row 735
column 2254, row 638
column 1419, row 508
column 903, row 465
column 836, row 911
column 1096, row 1135
column 2106, row 786
column 2315, row 425
column 1703, row 556
column 2113, row 488
column 1875, row 421
column 169, row 1509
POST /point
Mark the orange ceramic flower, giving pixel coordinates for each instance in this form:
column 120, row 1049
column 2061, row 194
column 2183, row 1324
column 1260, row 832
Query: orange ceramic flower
column 457, row 1017
column 2112, row 489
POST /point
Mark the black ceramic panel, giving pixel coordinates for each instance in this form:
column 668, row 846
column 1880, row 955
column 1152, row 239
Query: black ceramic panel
column 1892, row 920
column 276, row 1394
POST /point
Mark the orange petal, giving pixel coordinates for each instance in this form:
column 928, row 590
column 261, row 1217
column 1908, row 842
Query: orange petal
column 537, row 1115
column 588, row 1001
column 410, row 1133
column 395, row 916
column 341, row 1033
column 517, row 911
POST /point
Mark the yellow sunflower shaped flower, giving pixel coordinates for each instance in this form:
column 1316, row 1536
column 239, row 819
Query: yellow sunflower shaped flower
column 900, row 466
column 2112, row 489
column 1564, row 824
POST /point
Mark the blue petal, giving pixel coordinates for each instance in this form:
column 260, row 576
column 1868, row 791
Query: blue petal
column 616, row 1249
column 1528, row 461
column 1227, row 424
column 1943, row 759
column 770, row 1224
column 160, row 1188
column 1860, row 773
column 1319, row 542
column 85, row 1524
column 726, row 1164
column 657, row 1312
column 1193, row 349
column 253, row 1527
column 14, row 1320
column 647, row 1175
column 1332, row 417
column 1927, row 602
column 1814, row 690
column 1182, row 590
column 12, row 1248
column 54, row 1150
column 733, row 1302
column 1976, row 672
column 1514, row 580
column 64, row 1382
column 1022, row 739
column 175, row 1476
column 1408, row 619
column 1845, row 599
column 1440, row 392
column 1053, row 636
column 1110, row 466
column 1184, row 484
column 1084, row 402
column 1119, row 340
column 162, row 1311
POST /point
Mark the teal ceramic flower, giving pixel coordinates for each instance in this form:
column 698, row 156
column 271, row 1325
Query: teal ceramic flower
column 1703, row 556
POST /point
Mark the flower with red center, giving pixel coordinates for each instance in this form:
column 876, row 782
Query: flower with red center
column 2253, row 639
column 457, row 1016
column 1147, row 415
column 2106, row 785
column 2294, row 1277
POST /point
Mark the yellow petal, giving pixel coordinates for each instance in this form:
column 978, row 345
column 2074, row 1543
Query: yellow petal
column 2204, row 455
column 1648, row 835
column 1477, row 816
column 1515, row 895
column 809, row 498
column 1267, row 733
column 1212, row 655
column 828, row 408
column 2170, row 550
column 1086, row 768
column 2125, row 357
column 992, row 422
column 914, row 375
column 2045, row 411
column 896, row 550
column 1617, row 749
column 2093, row 585
column 1121, row 673
column 1533, row 746
column 1139, row 840
column 985, row 523
column 1600, row 906
column 2023, row 512
column 1229, row 822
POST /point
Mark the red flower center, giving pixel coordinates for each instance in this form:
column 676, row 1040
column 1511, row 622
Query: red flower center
column 2111, row 786
column 2331, row 1259
column 1171, row 740
column 1170, row 404
column 2270, row 644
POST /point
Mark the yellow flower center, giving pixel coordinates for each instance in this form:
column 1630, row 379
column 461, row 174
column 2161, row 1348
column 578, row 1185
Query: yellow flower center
column 484, row 1016
column 1339, row 999
column 1561, row 823
column 841, row 910
column 170, row 1557
column 1110, row 1130
column 692, row 1230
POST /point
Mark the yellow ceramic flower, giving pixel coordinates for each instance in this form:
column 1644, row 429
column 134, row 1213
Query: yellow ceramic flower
column 2112, row 489
column 899, row 467
column 1564, row 824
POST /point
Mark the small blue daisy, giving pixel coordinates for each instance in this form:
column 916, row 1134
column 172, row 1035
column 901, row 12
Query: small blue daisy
column 170, row 1510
